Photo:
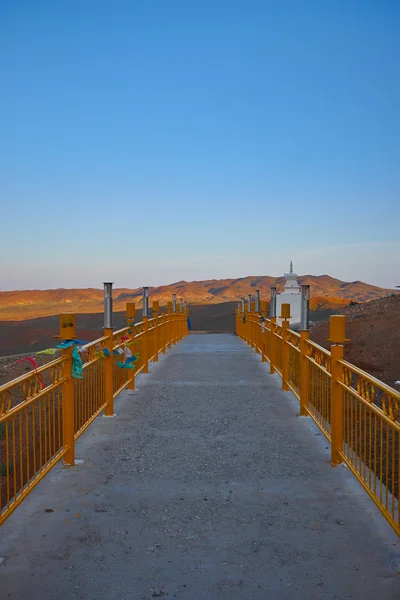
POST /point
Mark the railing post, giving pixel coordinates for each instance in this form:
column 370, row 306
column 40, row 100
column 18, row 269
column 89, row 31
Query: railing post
column 253, row 323
column 169, row 325
column 130, row 318
column 263, row 334
column 304, row 337
column 337, row 331
column 163, row 331
column 156, row 306
column 272, row 336
column 145, row 319
column 304, row 369
column 174, row 319
column 68, row 331
column 108, row 346
column 186, row 320
column 257, row 323
column 246, row 324
column 181, row 319
column 285, row 315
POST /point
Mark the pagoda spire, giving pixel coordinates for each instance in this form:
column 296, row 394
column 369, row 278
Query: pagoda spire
column 291, row 266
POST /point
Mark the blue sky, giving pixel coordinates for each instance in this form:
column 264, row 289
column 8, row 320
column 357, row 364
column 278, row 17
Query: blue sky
column 145, row 142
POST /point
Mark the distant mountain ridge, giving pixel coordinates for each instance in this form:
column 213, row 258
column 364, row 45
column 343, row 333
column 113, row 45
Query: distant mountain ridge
column 326, row 291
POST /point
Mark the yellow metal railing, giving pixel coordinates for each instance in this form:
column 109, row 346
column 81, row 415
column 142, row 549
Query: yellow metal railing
column 43, row 412
column 357, row 413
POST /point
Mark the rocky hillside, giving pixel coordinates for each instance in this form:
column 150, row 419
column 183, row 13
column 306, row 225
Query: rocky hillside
column 374, row 332
column 326, row 292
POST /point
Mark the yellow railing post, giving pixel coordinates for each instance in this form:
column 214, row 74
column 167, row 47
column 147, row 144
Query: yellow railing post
column 130, row 317
column 272, row 346
column 263, row 330
column 285, row 315
column 108, row 372
column 68, row 332
column 246, row 324
column 169, row 324
column 337, row 337
column 156, row 306
column 163, row 332
column 253, row 324
column 145, row 344
column 304, row 337
column 108, row 351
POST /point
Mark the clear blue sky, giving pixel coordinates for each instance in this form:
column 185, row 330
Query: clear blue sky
column 145, row 142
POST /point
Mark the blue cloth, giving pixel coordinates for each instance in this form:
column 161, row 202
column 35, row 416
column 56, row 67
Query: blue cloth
column 189, row 324
column 76, row 364
column 68, row 343
column 126, row 365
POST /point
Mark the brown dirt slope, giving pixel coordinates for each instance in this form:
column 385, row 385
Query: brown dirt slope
column 326, row 292
column 374, row 332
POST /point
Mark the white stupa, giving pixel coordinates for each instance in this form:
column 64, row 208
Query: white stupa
column 290, row 295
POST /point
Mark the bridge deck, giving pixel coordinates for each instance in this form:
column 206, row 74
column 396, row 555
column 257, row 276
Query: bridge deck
column 205, row 485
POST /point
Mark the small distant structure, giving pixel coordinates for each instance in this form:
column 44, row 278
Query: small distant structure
column 290, row 295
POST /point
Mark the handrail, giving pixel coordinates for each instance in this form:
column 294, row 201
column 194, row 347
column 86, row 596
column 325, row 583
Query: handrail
column 43, row 412
column 358, row 413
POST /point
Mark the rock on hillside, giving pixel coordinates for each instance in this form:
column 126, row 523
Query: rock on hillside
column 374, row 332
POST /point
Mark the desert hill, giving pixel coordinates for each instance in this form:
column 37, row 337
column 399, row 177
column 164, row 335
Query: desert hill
column 374, row 332
column 326, row 292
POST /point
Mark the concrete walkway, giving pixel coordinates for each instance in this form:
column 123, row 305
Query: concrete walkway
column 205, row 485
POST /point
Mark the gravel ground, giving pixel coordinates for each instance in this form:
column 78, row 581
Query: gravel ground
column 205, row 485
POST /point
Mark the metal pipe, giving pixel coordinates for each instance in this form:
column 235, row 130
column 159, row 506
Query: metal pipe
column 108, row 305
column 272, row 304
column 249, row 302
column 180, row 304
column 173, row 302
column 243, row 299
column 257, row 301
column 145, row 311
column 305, row 308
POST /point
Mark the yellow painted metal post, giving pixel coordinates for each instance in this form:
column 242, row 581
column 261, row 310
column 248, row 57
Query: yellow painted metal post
column 263, row 330
column 272, row 345
column 253, row 324
column 174, row 327
column 337, row 338
column 68, row 332
column 163, row 331
column 130, row 318
column 179, row 325
column 156, row 306
column 258, row 329
column 246, row 324
column 304, row 368
column 285, row 315
column 145, row 344
column 169, row 325
column 108, row 373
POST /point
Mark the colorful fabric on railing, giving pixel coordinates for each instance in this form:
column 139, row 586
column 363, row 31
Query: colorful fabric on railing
column 33, row 363
column 76, row 371
column 130, row 358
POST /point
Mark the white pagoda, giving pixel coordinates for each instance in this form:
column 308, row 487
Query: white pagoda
column 290, row 295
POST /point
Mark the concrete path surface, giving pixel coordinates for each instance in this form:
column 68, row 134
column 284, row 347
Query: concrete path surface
column 204, row 485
